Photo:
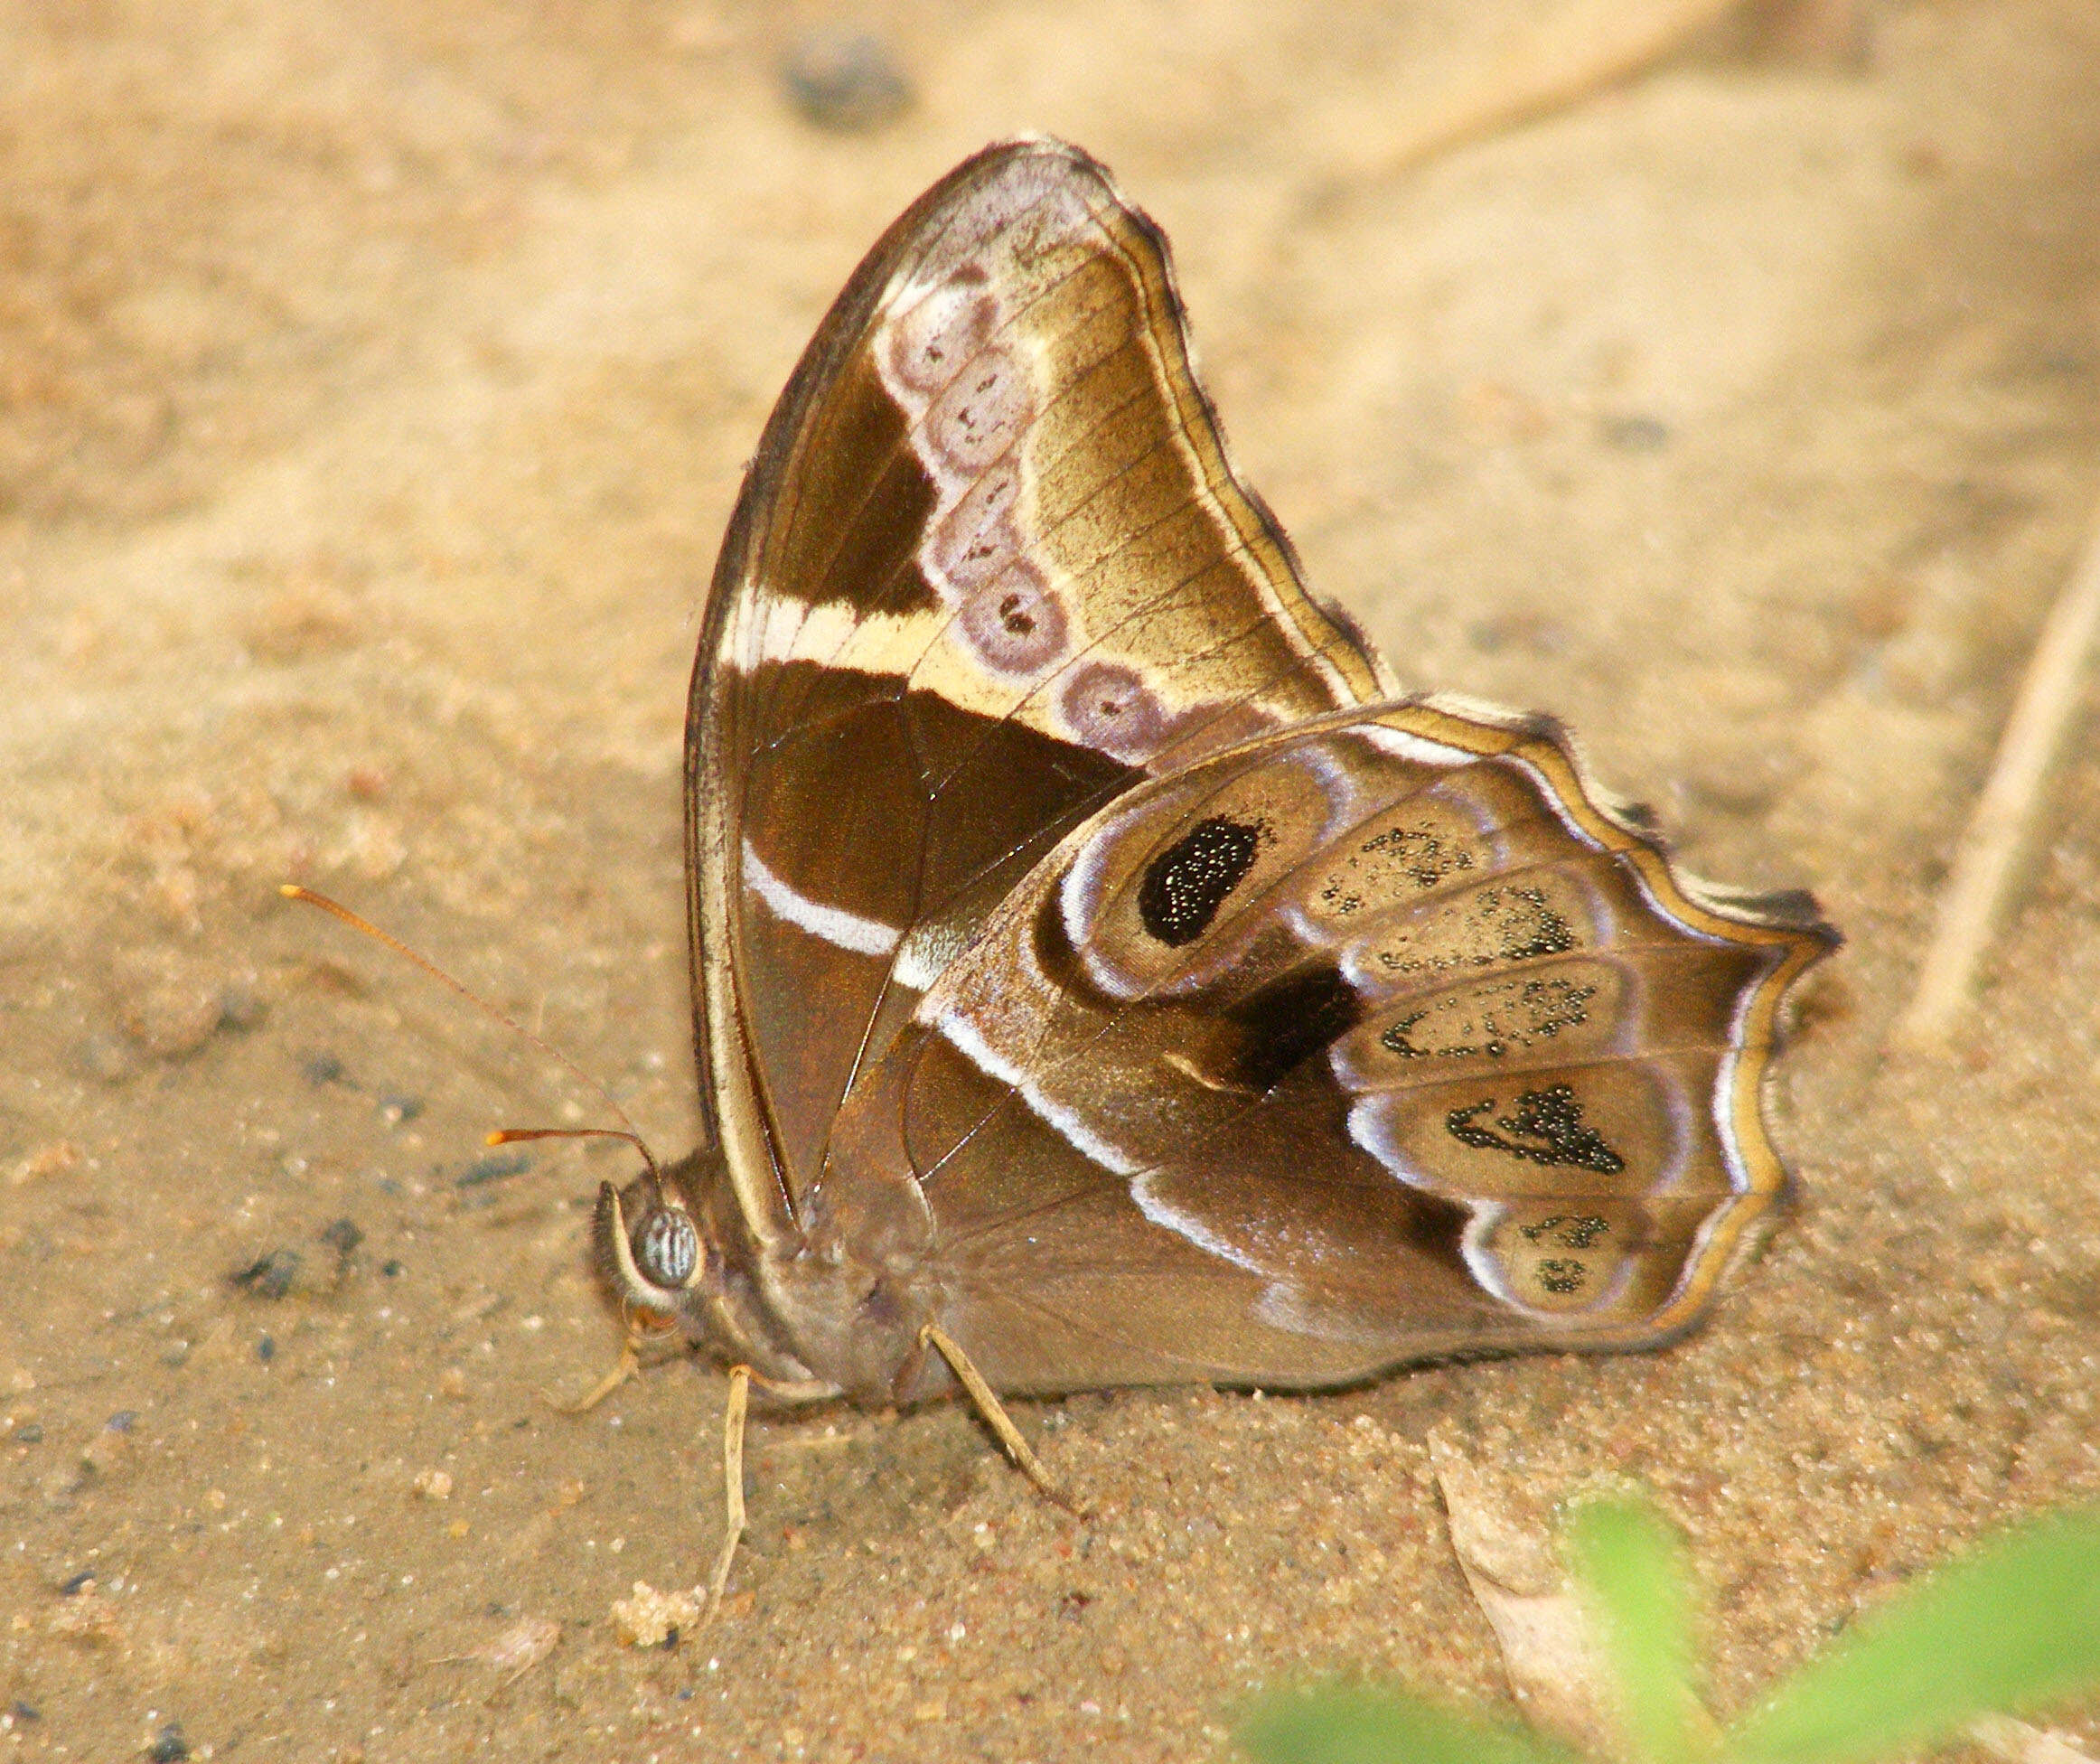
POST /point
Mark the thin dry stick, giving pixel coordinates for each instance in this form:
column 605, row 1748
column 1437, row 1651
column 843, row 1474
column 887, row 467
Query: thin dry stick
column 1565, row 59
column 2050, row 701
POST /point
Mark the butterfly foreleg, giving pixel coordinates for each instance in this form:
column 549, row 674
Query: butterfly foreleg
column 637, row 1334
column 996, row 1417
column 628, row 1365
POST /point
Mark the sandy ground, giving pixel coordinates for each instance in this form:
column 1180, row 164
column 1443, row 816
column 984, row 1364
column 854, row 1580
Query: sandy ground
column 374, row 380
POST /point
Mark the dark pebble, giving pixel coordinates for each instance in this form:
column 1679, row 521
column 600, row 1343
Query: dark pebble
column 73, row 1585
column 493, row 1169
column 848, row 81
column 393, row 1269
column 29, row 1433
column 271, row 1276
column 123, row 1420
column 321, row 1069
column 25, row 1712
column 343, row 1236
column 1638, row 434
column 265, row 1348
column 169, row 1746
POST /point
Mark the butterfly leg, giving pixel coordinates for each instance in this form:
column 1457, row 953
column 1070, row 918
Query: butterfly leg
column 629, row 1364
column 628, row 1367
column 996, row 1417
column 732, row 1485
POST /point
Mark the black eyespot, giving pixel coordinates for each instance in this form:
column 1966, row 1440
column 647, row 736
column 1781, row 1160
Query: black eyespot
column 1186, row 883
column 667, row 1247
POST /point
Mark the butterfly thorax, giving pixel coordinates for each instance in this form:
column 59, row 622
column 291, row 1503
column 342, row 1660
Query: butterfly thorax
column 861, row 1280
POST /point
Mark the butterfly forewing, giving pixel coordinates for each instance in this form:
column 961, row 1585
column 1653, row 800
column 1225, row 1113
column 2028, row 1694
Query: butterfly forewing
column 990, row 567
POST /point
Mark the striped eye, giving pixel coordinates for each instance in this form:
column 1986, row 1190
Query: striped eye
column 667, row 1247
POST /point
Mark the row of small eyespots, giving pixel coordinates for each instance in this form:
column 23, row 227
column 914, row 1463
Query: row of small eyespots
column 974, row 554
column 969, row 428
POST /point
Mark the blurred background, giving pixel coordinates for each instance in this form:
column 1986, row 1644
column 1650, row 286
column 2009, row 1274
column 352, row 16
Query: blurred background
column 375, row 380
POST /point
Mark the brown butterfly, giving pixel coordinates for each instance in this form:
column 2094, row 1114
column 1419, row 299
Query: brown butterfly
column 1102, row 976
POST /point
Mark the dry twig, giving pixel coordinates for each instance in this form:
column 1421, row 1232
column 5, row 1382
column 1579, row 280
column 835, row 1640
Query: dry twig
column 2050, row 698
column 1572, row 54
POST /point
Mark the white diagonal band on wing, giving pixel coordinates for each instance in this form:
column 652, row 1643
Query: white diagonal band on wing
column 834, row 924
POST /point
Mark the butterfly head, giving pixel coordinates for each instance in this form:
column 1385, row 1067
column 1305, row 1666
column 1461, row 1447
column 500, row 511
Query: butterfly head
column 674, row 1259
column 651, row 1246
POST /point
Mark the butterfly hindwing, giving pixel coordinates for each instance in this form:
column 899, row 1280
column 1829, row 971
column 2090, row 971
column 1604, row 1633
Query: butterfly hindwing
column 1372, row 1039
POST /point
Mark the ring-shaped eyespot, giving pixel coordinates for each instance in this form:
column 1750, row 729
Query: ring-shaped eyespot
column 667, row 1247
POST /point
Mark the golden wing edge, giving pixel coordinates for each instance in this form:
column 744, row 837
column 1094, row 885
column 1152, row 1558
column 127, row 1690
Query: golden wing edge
column 1789, row 920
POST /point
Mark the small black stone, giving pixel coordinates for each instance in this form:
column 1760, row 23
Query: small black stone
column 343, row 1236
column 393, row 1269
column 848, row 81
column 493, row 1169
column 271, row 1276
column 321, row 1069
column 169, row 1746
column 29, row 1433
column 265, row 1348
column 1638, row 434
column 75, row 1584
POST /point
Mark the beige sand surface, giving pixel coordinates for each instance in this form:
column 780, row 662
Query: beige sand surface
column 374, row 380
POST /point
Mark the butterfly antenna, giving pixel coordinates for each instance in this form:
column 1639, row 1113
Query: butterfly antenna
column 627, row 1130
column 512, row 1135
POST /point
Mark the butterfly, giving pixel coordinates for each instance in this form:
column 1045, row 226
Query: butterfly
column 1102, row 975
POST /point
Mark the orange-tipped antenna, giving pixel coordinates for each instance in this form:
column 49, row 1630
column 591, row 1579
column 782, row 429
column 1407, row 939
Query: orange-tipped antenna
column 512, row 1135
column 629, row 1132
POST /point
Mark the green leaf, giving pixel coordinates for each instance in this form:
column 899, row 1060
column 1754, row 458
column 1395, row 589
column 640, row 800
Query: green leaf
column 1629, row 1566
column 2014, row 1625
column 1343, row 1726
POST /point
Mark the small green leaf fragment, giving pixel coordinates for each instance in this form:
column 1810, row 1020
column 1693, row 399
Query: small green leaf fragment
column 1348, row 1726
column 1628, row 1565
column 2014, row 1625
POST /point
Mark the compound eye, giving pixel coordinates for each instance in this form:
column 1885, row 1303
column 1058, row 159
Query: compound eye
column 667, row 1248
